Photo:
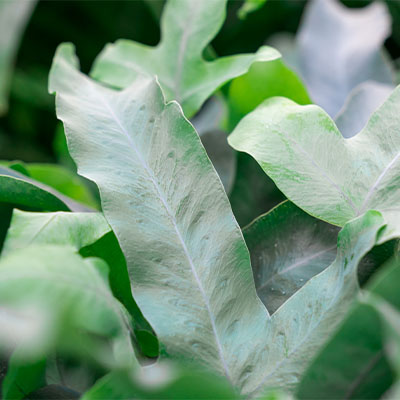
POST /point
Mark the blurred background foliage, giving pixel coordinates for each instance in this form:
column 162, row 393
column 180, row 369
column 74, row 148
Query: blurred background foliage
column 29, row 131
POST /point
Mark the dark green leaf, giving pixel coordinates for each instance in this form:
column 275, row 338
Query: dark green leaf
column 288, row 247
column 22, row 191
column 253, row 192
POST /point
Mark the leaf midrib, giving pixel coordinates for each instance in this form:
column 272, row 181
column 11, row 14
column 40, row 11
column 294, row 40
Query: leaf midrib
column 152, row 178
column 321, row 170
column 376, row 184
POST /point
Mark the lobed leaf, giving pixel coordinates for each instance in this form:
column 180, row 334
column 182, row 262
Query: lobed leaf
column 148, row 181
column 187, row 27
column 302, row 325
column 301, row 149
column 187, row 260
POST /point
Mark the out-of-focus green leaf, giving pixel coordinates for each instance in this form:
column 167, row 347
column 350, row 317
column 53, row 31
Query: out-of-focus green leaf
column 51, row 392
column 63, row 180
column 250, row 6
column 356, row 363
column 332, row 178
column 287, row 248
column 21, row 380
column 178, row 59
column 14, row 15
column 19, row 190
column 77, row 230
column 162, row 381
column 179, row 264
column 30, row 87
column 89, row 234
column 59, row 299
column 353, row 364
column 61, row 149
column 156, row 7
column 253, row 192
column 57, row 177
column 263, row 80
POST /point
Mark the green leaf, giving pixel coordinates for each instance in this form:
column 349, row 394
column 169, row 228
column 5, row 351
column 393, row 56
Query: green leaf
column 56, row 298
column 63, row 180
column 302, row 325
column 287, row 247
column 14, row 16
column 329, row 177
column 161, row 381
column 253, row 192
column 179, row 263
column 249, row 6
column 23, row 379
column 77, row 230
column 355, row 363
column 262, row 81
column 89, row 234
column 22, row 191
column 386, row 284
column 148, row 181
column 187, row 27
column 57, row 177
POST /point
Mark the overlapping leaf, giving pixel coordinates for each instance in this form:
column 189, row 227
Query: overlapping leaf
column 356, row 363
column 329, row 177
column 187, row 27
column 89, row 234
column 287, row 248
column 148, row 182
column 60, row 297
column 253, row 193
column 179, row 264
column 161, row 381
column 20, row 190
